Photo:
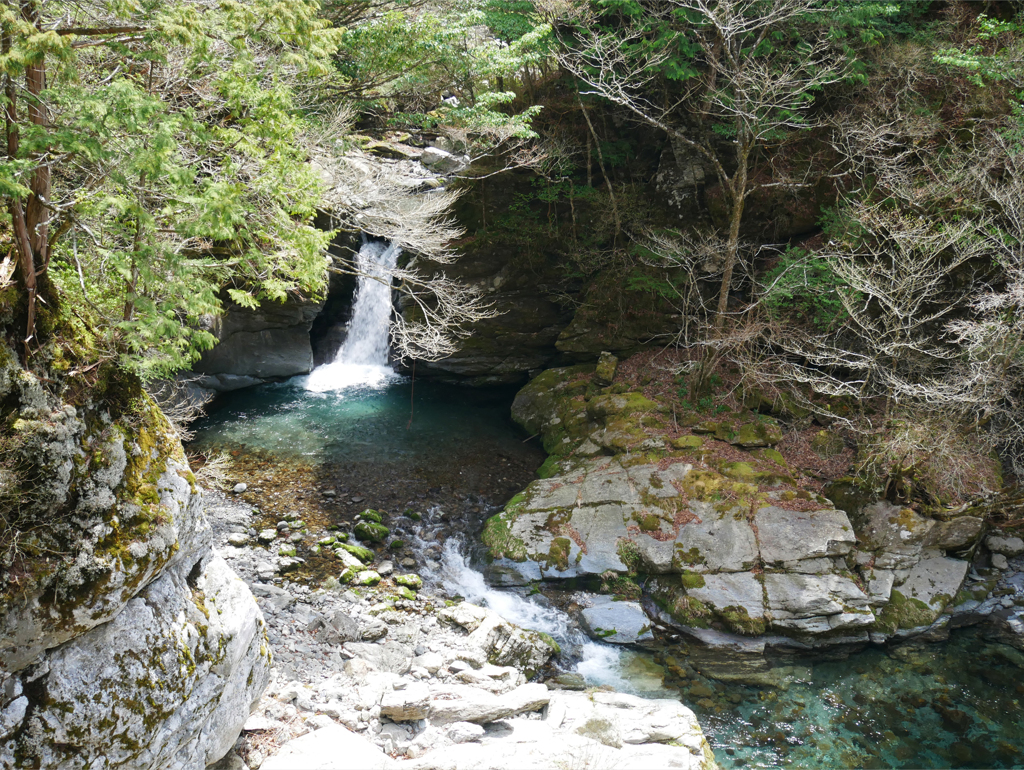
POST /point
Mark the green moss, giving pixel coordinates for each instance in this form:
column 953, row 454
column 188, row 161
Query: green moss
column 681, row 559
column 414, row 515
column 497, row 536
column 903, row 612
column 558, row 553
column 629, row 554
column 739, row 620
column 364, row 555
column 650, row 523
column 410, row 581
column 550, row 642
column 551, row 467
column 688, row 442
column 371, row 515
column 370, row 532
column 406, row 593
column 691, row 580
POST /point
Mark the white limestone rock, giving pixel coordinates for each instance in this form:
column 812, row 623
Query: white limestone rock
column 329, row 748
column 171, row 679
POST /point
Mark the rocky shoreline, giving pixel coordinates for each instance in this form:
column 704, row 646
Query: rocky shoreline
column 423, row 682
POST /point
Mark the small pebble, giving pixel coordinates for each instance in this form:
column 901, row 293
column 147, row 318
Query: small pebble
column 240, row 487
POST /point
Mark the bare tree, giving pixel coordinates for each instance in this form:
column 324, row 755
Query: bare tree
column 749, row 86
column 394, row 200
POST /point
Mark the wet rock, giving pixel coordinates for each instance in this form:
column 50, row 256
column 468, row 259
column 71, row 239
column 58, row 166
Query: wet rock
column 618, row 622
column 258, row 344
column 569, row 680
column 238, row 539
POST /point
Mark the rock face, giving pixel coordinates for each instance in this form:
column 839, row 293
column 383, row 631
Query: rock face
column 138, row 647
column 719, row 547
column 268, row 343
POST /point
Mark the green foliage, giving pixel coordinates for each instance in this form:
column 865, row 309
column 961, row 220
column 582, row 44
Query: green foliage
column 804, row 286
column 182, row 166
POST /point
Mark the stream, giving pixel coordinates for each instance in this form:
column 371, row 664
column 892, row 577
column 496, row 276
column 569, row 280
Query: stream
column 368, row 438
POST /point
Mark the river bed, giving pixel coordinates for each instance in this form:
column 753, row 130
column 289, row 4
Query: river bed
column 454, row 455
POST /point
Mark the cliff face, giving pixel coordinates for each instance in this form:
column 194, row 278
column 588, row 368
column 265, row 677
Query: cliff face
column 122, row 634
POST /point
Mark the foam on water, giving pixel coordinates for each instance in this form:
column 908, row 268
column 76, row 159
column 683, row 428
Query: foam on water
column 362, row 362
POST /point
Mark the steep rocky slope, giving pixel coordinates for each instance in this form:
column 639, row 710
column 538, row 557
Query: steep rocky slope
column 124, row 638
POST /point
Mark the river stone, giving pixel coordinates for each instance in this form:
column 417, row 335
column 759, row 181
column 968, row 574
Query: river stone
column 617, row 622
column 128, row 675
column 1007, row 546
column 330, row 748
column 787, row 536
column 506, row 644
column 391, row 656
column 406, row 705
column 731, row 589
column 891, row 528
column 600, row 527
column 462, row 703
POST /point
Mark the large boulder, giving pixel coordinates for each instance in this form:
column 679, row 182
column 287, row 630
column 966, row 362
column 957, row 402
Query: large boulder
column 124, row 641
column 255, row 345
column 167, row 683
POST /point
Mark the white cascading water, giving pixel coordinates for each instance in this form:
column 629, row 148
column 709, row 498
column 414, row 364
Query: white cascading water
column 363, row 359
column 598, row 663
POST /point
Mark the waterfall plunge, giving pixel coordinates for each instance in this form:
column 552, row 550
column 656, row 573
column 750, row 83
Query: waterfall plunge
column 363, row 359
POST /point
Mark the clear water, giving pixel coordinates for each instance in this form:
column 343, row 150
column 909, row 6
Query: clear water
column 954, row 704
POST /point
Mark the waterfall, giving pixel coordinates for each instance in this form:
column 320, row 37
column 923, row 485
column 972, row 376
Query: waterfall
column 363, row 359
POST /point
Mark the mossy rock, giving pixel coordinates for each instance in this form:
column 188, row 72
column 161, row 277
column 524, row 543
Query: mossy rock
column 414, row 515
column 286, row 550
column 551, row 467
column 406, row 593
column 549, row 640
column 687, row 442
column 497, row 536
column 410, row 581
column 740, row 471
column 347, row 575
column 761, row 432
column 396, row 545
column 904, row 612
column 771, row 455
column 370, row 532
column 364, row 555
column 366, row 578
column 371, row 515
column 691, row 580
column 606, row 367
